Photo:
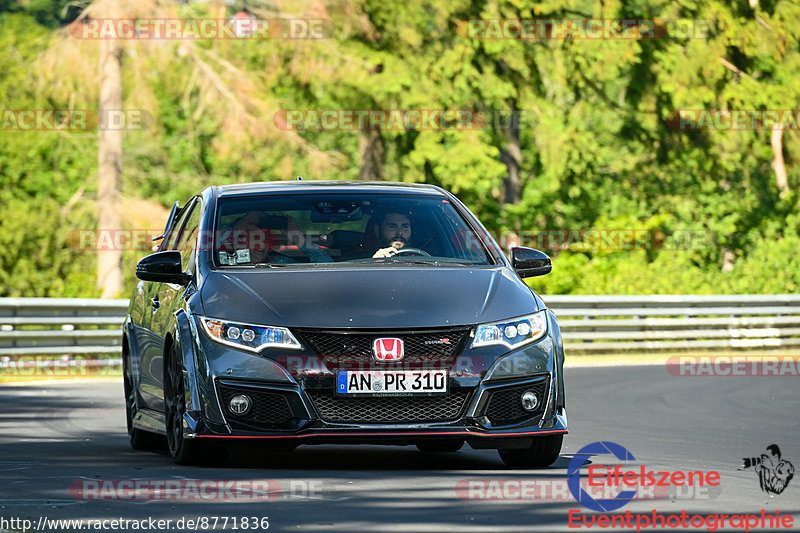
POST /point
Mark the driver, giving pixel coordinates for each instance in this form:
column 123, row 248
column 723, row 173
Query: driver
column 394, row 233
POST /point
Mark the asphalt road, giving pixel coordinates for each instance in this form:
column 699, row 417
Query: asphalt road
column 64, row 445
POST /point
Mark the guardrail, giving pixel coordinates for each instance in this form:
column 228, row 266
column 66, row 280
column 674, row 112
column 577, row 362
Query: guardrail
column 61, row 326
column 675, row 323
column 591, row 324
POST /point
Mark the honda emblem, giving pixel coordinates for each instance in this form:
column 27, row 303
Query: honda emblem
column 388, row 349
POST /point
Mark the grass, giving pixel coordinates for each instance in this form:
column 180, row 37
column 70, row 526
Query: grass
column 611, row 359
column 14, row 375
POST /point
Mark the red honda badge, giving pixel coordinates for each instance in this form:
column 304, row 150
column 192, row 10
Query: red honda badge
column 388, row 349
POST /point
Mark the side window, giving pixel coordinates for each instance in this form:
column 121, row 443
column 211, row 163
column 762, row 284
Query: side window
column 187, row 239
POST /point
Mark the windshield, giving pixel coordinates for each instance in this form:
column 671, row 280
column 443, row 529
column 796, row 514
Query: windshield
column 277, row 230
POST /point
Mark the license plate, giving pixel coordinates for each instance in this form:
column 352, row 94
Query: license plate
column 391, row 382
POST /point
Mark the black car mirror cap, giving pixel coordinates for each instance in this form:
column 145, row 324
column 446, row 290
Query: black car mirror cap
column 528, row 262
column 164, row 267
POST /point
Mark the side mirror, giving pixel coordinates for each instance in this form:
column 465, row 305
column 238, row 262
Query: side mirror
column 529, row 262
column 164, row 267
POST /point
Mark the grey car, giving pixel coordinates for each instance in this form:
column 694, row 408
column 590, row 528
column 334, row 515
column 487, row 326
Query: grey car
column 289, row 313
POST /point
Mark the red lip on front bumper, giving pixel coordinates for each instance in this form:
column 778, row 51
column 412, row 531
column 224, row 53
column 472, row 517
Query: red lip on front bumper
column 323, row 434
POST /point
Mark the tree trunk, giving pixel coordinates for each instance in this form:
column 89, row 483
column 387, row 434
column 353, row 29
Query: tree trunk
column 109, row 262
column 370, row 144
column 727, row 260
column 777, row 163
column 512, row 157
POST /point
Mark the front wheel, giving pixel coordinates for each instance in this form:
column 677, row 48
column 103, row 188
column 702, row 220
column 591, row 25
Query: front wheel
column 542, row 453
column 184, row 451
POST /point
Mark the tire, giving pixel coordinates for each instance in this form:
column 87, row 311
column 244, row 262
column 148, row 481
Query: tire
column 184, row 451
column 139, row 439
column 440, row 445
column 542, row 453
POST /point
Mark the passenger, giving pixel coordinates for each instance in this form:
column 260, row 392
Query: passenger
column 251, row 241
column 262, row 243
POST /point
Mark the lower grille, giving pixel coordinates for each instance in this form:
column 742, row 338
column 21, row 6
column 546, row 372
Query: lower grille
column 269, row 409
column 389, row 409
column 505, row 407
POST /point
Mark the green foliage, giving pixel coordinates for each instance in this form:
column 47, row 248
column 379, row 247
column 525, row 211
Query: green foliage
column 39, row 173
column 49, row 13
column 598, row 150
column 39, row 250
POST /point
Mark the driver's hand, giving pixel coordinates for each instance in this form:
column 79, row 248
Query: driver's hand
column 385, row 252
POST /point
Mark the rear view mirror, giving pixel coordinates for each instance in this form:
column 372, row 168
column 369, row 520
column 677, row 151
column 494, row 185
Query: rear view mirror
column 529, row 262
column 336, row 212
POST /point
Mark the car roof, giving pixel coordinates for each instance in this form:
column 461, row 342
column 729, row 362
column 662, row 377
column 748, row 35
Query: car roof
column 312, row 186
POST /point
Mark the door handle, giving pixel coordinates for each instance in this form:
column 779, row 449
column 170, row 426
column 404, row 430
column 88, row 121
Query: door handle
column 155, row 302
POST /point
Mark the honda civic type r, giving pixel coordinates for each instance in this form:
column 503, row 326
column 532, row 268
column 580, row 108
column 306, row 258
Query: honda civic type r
column 306, row 312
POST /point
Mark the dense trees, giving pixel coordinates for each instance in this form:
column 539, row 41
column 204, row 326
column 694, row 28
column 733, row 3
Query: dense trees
column 567, row 134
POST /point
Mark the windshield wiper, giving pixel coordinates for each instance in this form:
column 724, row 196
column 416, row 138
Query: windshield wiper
column 271, row 265
column 394, row 260
column 398, row 261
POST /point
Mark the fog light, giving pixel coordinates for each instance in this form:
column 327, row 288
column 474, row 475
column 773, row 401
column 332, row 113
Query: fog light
column 529, row 400
column 239, row 404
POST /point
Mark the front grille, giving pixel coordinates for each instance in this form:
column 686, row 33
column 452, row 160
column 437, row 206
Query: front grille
column 269, row 409
column 389, row 409
column 343, row 350
column 505, row 407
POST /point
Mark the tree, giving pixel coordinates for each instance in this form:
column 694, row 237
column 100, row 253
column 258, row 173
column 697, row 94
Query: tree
column 109, row 173
column 206, row 77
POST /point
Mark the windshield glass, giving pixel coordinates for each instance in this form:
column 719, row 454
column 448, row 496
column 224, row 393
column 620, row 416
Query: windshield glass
column 273, row 230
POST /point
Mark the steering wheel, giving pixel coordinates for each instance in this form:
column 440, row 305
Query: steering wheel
column 412, row 251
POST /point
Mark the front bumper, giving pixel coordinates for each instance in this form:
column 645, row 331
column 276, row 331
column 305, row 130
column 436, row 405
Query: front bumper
column 298, row 403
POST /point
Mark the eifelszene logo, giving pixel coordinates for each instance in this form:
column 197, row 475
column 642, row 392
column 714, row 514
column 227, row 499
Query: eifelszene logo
column 610, row 480
column 774, row 473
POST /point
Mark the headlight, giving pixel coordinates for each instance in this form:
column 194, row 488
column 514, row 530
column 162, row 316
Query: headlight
column 512, row 333
column 250, row 337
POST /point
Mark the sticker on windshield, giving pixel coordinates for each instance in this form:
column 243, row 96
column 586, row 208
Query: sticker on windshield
column 243, row 256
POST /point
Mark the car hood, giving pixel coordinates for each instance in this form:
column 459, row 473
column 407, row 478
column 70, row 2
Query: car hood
column 376, row 297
